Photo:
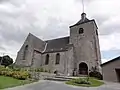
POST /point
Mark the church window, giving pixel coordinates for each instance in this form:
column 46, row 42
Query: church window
column 47, row 59
column 81, row 30
column 25, row 52
column 57, row 58
column 96, row 32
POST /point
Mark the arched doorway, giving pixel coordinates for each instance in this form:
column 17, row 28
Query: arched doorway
column 83, row 68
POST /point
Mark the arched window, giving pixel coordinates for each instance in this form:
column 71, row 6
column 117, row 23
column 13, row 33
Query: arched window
column 57, row 58
column 25, row 52
column 47, row 59
column 81, row 30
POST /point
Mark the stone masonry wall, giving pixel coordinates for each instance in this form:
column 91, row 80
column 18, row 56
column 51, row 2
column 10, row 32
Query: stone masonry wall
column 84, row 44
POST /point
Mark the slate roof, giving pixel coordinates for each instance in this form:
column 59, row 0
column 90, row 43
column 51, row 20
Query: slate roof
column 113, row 60
column 54, row 45
column 59, row 44
column 81, row 21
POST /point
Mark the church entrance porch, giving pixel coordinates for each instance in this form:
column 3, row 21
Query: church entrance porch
column 83, row 69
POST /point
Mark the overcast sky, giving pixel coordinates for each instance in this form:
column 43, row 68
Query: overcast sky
column 49, row 19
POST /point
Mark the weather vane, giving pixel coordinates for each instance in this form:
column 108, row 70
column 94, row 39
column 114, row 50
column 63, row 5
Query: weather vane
column 83, row 5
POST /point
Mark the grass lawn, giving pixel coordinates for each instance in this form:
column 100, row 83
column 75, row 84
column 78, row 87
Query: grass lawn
column 93, row 82
column 6, row 82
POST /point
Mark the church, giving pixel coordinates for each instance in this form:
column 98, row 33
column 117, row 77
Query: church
column 78, row 52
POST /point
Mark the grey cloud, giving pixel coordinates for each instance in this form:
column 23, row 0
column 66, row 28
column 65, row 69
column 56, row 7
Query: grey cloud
column 15, row 25
column 112, row 28
column 2, row 48
column 56, row 27
column 100, row 19
column 2, row 1
column 106, row 29
column 16, row 3
column 12, row 30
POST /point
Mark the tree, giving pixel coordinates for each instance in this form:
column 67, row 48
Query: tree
column 6, row 60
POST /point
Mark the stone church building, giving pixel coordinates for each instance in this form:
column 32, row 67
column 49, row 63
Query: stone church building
column 78, row 52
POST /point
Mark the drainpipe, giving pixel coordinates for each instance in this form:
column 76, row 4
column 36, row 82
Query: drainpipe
column 44, row 51
column 45, row 48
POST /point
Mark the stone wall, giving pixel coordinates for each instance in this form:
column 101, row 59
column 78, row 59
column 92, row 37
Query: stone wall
column 64, row 67
column 19, row 60
column 86, row 47
column 33, row 43
column 41, row 75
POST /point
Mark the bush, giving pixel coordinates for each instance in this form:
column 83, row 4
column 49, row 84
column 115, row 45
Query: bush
column 96, row 74
column 45, row 70
column 39, row 70
column 16, row 69
column 15, row 73
column 81, row 81
column 22, row 75
column 92, row 82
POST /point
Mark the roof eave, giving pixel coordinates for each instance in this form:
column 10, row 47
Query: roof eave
column 117, row 58
column 84, row 23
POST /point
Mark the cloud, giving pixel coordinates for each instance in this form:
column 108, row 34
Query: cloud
column 110, row 42
column 109, row 55
column 51, row 19
column 2, row 48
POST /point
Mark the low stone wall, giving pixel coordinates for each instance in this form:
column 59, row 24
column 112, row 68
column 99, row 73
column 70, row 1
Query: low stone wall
column 41, row 75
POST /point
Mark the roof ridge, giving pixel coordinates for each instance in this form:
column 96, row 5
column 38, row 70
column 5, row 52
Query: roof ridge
column 57, row 38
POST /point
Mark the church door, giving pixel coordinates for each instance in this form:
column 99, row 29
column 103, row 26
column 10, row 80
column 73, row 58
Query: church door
column 83, row 68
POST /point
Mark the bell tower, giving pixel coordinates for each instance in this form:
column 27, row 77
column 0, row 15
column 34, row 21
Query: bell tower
column 84, row 37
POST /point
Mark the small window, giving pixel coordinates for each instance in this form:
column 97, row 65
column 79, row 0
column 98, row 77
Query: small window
column 96, row 32
column 47, row 59
column 57, row 58
column 81, row 30
column 25, row 52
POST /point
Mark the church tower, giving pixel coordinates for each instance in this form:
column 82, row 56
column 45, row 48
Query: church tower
column 84, row 37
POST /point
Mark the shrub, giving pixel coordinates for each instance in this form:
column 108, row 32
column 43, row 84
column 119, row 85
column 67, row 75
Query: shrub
column 22, row 75
column 96, row 74
column 15, row 73
column 39, row 70
column 16, row 69
column 45, row 70
column 81, row 81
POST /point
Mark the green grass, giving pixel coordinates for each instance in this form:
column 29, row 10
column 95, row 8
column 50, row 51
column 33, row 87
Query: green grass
column 94, row 83
column 7, row 82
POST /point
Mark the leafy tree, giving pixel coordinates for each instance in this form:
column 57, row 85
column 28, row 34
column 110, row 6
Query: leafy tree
column 6, row 60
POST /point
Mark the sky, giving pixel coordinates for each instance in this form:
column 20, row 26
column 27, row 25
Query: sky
column 48, row 19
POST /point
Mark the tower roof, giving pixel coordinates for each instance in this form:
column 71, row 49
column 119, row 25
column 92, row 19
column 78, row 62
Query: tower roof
column 83, row 19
